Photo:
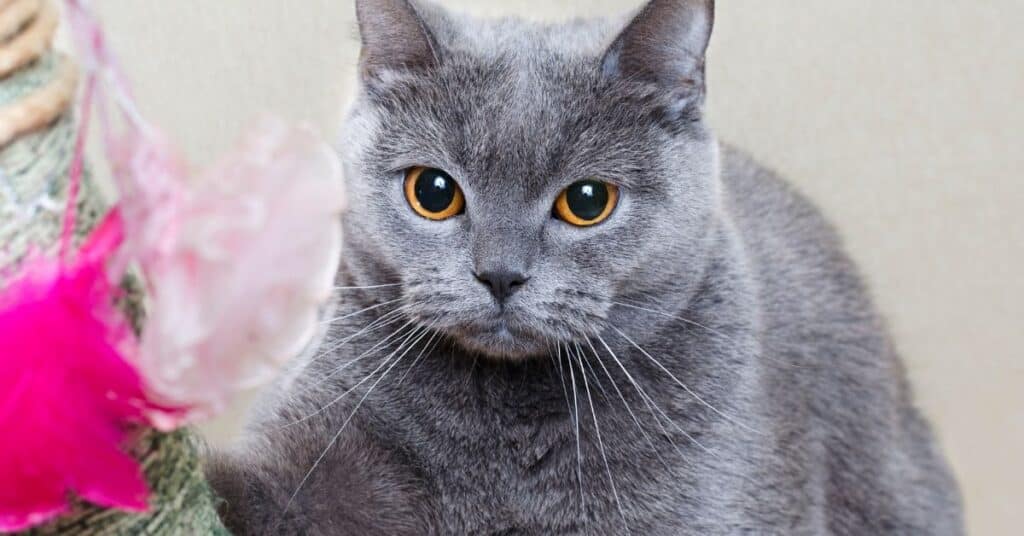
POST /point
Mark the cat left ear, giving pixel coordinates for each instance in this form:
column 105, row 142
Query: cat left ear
column 665, row 44
column 394, row 37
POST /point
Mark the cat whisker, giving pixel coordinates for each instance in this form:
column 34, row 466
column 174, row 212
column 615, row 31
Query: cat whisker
column 397, row 317
column 604, row 393
column 679, row 318
column 737, row 344
column 383, row 363
column 560, row 371
column 600, row 443
column 382, row 343
column 431, row 343
column 615, row 386
column 361, row 311
column 557, row 357
column 369, row 287
column 576, row 424
column 656, row 412
column 344, row 425
column 387, row 319
column 472, row 368
column 684, row 386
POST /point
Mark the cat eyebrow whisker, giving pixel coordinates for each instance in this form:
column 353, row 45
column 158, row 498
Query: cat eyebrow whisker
column 600, row 442
column 681, row 384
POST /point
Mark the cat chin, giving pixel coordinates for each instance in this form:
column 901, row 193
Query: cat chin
column 503, row 344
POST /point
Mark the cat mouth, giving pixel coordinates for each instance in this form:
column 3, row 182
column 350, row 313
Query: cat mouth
column 502, row 339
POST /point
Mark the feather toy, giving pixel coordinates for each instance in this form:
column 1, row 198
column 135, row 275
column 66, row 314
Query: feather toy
column 237, row 261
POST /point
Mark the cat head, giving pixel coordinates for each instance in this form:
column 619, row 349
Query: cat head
column 518, row 179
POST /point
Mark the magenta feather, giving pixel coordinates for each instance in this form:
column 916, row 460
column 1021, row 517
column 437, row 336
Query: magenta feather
column 68, row 397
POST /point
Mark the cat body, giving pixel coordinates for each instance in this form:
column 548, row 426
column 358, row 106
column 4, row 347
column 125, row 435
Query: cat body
column 704, row 361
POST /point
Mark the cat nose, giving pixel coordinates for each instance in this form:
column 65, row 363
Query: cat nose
column 502, row 283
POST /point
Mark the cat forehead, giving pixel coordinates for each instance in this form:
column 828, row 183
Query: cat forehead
column 522, row 61
column 515, row 100
column 531, row 41
column 501, row 121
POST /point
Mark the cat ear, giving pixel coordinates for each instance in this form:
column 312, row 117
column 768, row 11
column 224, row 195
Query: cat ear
column 394, row 37
column 665, row 44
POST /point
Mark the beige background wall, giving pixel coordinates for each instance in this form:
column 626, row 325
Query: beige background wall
column 902, row 119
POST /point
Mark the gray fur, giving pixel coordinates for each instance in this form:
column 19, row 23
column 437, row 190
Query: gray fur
column 790, row 412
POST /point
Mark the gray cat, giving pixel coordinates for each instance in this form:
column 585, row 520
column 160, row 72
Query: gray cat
column 565, row 309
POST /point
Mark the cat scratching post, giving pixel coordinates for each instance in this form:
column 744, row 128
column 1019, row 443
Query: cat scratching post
column 37, row 85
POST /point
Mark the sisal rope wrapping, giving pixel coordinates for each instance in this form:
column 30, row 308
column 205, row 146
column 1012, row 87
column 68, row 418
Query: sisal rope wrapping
column 31, row 43
column 43, row 106
column 14, row 17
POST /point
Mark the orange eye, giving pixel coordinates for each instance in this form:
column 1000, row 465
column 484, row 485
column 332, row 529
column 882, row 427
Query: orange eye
column 433, row 194
column 586, row 203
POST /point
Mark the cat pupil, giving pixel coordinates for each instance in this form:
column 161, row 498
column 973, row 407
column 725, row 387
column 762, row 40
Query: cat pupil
column 435, row 190
column 587, row 199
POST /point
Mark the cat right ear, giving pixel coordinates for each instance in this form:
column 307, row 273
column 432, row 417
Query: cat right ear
column 394, row 38
column 665, row 45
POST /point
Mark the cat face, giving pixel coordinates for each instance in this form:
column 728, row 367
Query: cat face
column 518, row 180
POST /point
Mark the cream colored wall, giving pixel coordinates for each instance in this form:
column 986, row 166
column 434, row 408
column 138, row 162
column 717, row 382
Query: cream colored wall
column 902, row 119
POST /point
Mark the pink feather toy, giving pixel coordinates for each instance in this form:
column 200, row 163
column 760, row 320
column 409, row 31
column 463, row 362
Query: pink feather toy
column 237, row 261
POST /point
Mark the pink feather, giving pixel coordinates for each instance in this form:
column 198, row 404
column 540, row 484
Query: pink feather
column 238, row 259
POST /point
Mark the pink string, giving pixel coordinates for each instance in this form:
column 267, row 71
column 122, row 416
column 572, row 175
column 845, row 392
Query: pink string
column 97, row 57
column 102, row 70
column 75, row 173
